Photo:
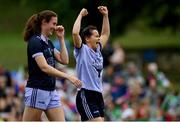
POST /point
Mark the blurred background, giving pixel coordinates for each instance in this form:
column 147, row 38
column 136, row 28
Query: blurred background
column 141, row 77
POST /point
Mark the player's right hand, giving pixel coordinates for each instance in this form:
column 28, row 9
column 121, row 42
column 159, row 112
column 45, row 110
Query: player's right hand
column 84, row 12
column 75, row 81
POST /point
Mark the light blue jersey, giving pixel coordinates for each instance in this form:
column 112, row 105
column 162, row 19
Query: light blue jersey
column 89, row 65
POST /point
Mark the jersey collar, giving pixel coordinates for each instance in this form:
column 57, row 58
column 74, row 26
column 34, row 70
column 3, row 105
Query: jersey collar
column 44, row 39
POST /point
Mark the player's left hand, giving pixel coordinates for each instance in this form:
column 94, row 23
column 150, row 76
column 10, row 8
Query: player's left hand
column 103, row 10
column 59, row 31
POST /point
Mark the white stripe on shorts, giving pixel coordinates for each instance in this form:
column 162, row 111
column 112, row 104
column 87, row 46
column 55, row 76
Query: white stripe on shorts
column 86, row 107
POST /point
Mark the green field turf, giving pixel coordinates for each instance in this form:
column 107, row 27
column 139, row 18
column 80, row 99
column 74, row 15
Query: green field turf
column 140, row 40
column 12, row 50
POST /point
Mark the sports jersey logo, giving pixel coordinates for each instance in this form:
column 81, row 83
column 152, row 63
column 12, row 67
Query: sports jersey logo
column 49, row 51
column 51, row 61
column 98, row 65
column 49, row 56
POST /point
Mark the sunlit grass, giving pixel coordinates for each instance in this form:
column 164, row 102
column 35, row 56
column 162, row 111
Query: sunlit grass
column 12, row 50
column 140, row 40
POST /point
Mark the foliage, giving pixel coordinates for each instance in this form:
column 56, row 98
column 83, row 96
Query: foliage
column 159, row 14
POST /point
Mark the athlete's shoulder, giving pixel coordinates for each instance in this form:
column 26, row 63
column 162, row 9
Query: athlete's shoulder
column 35, row 38
column 85, row 46
column 35, row 41
column 80, row 50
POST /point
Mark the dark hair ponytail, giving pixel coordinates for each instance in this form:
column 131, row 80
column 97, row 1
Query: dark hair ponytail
column 33, row 25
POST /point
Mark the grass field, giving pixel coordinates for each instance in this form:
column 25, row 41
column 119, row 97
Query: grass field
column 140, row 40
column 12, row 50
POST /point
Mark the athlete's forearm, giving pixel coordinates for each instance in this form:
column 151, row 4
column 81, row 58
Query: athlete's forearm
column 64, row 53
column 105, row 26
column 76, row 30
column 77, row 25
column 54, row 72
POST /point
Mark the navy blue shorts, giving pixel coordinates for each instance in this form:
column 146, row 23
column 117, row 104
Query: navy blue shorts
column 89, row 104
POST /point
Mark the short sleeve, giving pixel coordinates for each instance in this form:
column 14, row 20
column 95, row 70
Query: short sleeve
column 100, row 46
column 78, row 50
column 35, row 47
column 56, row 51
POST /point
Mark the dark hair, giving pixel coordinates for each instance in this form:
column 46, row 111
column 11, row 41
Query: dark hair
column 87, row 32
column 33, row 25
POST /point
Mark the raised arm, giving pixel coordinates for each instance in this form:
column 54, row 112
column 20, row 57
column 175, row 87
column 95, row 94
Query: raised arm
column 61, row 56
column 76, row 28
column 105, row 32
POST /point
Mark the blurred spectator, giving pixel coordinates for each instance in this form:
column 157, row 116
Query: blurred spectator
column 133, row 75
column 107, row 52
column 119, row 90
column 108, row 74
column 170, row 106
column 118, row 57
column 143, row 110
column 156, row 77
column 9, row 102
column 127, row 112
column 112, row 111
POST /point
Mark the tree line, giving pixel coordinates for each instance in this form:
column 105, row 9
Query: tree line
column 159, row 14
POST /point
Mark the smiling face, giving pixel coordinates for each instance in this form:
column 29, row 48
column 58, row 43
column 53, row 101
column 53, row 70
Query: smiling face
column 49, row 27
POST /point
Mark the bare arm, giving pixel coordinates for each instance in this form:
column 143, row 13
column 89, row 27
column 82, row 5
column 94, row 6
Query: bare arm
column 76, row 28
column 41, row 62
column 61, row 57
column 105, row 32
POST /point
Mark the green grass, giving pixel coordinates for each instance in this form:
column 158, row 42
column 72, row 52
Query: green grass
column 12, row 50
column 134, row 39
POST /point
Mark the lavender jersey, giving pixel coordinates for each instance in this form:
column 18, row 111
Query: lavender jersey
column 89, row 65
